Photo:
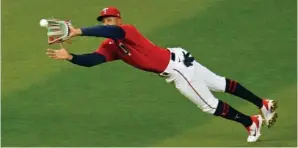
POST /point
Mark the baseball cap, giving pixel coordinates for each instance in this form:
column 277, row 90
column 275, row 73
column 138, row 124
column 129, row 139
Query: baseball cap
column 109, row 11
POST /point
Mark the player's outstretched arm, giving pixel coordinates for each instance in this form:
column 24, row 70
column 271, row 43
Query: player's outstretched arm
column 113, row 32
column 86, row 60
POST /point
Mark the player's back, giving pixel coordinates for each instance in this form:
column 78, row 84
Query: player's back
column 138, row 51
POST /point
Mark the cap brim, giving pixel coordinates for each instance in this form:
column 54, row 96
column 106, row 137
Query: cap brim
column 100, row 18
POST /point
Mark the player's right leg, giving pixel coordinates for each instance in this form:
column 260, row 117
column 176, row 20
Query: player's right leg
column 222, row 84
column 197, row 92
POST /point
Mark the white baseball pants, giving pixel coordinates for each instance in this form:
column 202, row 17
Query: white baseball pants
column 194, row 81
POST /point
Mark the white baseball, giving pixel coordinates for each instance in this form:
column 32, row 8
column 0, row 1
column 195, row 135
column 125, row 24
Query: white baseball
column 43, row 23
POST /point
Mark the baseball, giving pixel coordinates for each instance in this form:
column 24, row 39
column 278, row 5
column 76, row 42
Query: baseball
column 43, row 23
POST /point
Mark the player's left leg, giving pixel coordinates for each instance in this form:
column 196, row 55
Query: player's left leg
column 267, row 106
column 222, row 84
column 197, row 91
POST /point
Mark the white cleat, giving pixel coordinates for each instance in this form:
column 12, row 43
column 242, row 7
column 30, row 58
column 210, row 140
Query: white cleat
column 268, row 111
column 254, row 131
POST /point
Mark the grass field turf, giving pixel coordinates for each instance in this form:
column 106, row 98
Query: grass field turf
column 50, row 103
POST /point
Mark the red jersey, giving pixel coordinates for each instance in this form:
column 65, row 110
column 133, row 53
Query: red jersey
column 135, row 50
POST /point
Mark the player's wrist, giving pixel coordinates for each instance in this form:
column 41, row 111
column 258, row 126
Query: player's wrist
column 78, row 31
column 69, row 57
column 75, row 32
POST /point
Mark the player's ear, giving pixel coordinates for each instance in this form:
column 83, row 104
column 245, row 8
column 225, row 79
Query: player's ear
column 119, row 21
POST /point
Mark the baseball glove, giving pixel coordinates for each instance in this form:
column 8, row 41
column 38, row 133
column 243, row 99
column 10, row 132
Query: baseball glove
column 58, row 30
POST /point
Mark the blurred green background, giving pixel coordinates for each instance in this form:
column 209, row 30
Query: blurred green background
column 54, row 103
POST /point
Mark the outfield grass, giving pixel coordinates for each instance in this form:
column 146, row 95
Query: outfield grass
column 54, row 103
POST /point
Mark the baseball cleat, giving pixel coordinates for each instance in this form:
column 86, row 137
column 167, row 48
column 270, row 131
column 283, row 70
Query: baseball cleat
column 254, row 131
column 268, row 111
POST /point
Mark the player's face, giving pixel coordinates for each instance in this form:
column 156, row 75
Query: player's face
column 111, row 21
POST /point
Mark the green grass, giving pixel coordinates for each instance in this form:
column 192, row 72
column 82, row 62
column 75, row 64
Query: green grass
column 50, row 103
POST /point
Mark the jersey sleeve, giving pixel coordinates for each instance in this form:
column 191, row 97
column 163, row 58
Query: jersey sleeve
column 107, row 50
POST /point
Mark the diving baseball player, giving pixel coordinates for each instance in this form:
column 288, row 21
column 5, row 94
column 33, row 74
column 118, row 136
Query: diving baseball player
column 193, row 80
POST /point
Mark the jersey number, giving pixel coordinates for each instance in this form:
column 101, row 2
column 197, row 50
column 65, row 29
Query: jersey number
column 124, row 49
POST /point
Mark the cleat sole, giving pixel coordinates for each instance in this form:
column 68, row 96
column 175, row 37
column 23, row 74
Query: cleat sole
column 272, row 121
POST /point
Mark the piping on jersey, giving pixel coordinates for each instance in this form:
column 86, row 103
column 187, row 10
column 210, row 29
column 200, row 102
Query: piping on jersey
column 194, row 89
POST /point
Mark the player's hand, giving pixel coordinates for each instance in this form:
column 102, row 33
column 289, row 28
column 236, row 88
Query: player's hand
column 73, row 32
column 61, row 54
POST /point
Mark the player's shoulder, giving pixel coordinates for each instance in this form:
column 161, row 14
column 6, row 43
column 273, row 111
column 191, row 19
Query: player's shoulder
column 128, row 26
column 108, row 43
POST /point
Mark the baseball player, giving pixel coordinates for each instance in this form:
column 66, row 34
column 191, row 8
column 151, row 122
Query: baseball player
column 193, row 80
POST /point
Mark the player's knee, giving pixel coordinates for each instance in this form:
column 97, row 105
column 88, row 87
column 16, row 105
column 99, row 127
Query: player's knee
column 209, row 107
column 219, row 85
column 208, row 110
